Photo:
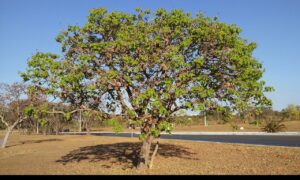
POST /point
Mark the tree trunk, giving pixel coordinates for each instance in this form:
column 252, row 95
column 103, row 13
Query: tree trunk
column 56, row 127
column 205, row 122
column 88, row 128
column 37, row 128
column 80, row 121
column 145, row 152
column 153, row 155
column 8, row 131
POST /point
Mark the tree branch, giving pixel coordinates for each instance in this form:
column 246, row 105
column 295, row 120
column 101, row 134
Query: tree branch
column 3, row 121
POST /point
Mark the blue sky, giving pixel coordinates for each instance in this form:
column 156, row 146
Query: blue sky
column 27, row 26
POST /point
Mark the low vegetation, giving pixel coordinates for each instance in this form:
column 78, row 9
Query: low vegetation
column 273, row 125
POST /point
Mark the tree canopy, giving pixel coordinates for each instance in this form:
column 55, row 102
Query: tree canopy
column 152, row 65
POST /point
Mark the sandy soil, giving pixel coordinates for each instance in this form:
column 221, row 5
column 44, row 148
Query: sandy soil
column 37, row 154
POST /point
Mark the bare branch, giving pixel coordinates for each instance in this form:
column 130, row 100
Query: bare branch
column 3, row 121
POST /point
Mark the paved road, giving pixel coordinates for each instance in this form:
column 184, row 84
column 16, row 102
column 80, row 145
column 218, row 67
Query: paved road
column 274, row 140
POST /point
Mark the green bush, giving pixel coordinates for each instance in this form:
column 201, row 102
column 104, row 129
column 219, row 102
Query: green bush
column 273, row 125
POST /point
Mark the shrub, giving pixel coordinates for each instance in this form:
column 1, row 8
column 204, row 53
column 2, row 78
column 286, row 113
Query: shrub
column 273, row 125
column 115, row 124
column 234, row 127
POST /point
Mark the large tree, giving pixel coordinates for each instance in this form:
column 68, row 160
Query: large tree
column 153, row 65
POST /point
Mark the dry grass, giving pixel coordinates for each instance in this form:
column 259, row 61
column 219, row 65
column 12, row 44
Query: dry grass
column 37, row 154
column 293, row 126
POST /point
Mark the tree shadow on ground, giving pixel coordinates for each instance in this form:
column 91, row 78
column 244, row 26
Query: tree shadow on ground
column 35, row 141
column 124, row 154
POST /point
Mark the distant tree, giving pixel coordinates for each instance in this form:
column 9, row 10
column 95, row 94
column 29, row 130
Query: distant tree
column 38, row 102
column 292, row 112
column 90, row 117
column 152, row 66
column 11, row 104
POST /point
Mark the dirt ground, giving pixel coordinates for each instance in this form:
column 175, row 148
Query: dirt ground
column 38, row 154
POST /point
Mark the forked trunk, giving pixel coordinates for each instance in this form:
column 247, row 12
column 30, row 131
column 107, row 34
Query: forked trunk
column 9, row 130
column 145, row 153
